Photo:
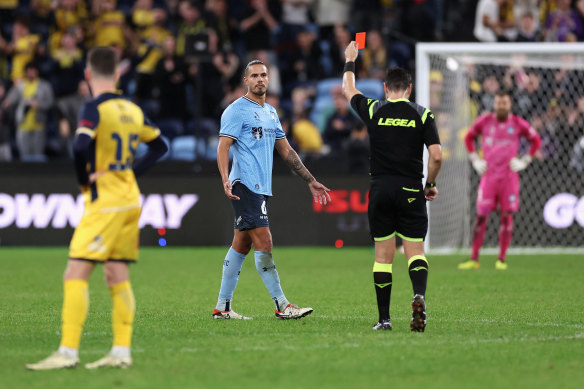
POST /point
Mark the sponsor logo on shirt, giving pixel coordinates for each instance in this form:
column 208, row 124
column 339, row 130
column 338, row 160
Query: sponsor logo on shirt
column 510, row 130
column 257, row 132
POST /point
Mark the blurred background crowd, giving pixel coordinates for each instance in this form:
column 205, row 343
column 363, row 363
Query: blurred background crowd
column 182, row 60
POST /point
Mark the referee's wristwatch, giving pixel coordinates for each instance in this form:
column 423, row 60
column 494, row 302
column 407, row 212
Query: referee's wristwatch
column 430, row 184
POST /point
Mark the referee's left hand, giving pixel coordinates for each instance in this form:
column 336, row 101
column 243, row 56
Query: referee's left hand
column 431, row 193
column 319, row 192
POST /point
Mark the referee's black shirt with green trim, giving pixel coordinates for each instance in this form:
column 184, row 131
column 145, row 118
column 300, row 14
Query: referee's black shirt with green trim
column 398, row 130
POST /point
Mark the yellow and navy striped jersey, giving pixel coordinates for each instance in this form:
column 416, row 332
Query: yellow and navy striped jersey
column 116, row 127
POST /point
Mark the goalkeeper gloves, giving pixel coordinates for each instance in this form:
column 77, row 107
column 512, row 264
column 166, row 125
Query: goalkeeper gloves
column 480, row 165
column 518, row 164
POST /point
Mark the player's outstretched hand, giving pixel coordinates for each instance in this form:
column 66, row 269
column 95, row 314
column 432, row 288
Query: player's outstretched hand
column 351, row 52
column 431, row 193
column 518, row 164
column 228, row 188
column 319, row 192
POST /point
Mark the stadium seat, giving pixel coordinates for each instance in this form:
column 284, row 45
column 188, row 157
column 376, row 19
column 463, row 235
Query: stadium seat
column 142, row 149
column 324, row 87
column 34, row 158
column 371, row 87
column 183, row 148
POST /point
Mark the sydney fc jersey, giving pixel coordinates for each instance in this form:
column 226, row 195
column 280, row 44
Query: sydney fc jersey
column 254, row 130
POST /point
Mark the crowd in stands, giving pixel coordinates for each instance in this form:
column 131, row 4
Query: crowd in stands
column 182, row 60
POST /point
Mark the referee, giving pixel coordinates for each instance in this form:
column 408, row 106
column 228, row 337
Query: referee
column 398, row 130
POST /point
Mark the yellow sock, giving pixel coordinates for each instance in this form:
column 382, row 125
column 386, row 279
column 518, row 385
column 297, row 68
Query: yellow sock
column 75, row 306
column 124, row 307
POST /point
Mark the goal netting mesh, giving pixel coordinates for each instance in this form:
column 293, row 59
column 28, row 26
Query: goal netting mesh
column 458, row 82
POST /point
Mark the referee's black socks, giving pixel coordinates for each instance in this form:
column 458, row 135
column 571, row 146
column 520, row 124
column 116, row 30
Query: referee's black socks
column 418, row 269
column 382, row 280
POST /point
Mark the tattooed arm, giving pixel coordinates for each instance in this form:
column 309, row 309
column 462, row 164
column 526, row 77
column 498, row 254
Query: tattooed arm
column 319, row 191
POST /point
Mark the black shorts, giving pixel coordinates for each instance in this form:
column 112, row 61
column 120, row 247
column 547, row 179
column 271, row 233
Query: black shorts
column 397, row 206
column 251, row 210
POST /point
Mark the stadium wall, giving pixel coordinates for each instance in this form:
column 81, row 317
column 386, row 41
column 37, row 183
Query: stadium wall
column 40, row 205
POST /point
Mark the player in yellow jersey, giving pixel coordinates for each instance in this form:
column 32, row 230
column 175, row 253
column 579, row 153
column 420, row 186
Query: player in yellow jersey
column 109, row 131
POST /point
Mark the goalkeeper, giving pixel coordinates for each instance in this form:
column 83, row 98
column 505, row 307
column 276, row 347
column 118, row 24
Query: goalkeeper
column 501, row 133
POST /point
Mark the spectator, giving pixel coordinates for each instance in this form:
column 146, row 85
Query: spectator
column 24, row 47
column 68, row 109
column 66, row 66
column 340, row 124
column 149, row 51
column 491, row 86
column 296, row 16
column 5, row 149
column 304, row 133
column 259, row 23
column 109, row 27
column 528, row 31
column 374, row 57
column 564, row 24
column 487, row 26
column 171, row 75
column 224, row 25
column 342, row 40
column 329, row 14
column 33, row 97
column 358, row 150
column 193, row 38
column 302, row 64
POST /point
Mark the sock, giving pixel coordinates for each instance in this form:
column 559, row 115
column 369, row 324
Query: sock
column 382, row 278
column 418, row 269
column 75, row 306
column 267, row 269
column 120, row 351
column 478, row 236
column 69, row 352
column 231, row 269
column 124, row 307
column 505, row 234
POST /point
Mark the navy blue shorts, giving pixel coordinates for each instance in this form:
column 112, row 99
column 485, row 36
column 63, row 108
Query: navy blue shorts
column 251, row 210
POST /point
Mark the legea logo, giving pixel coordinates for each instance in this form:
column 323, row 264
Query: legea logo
column 563, row 209
column 60, row 210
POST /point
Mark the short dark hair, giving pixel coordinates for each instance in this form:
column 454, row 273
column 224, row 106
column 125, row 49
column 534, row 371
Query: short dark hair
column 31, row 65
column 254, row 62
column 103, row 61
column 397, row 79
column 503, row 93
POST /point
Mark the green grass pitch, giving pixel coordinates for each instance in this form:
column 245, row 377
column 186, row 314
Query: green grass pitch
column 521, row 328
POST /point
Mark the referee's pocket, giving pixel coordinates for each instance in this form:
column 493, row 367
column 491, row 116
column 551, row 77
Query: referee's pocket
column 410, row 189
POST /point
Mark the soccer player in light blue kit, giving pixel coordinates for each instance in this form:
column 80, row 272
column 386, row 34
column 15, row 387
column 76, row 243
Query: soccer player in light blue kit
column 252, row 128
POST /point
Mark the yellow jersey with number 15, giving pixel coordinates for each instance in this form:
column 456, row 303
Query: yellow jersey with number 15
column 116, row 127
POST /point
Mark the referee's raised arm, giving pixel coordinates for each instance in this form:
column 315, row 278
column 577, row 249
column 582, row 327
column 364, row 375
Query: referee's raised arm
column 351, row 53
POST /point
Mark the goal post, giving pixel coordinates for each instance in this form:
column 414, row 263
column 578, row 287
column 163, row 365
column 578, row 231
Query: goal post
column 457, row 81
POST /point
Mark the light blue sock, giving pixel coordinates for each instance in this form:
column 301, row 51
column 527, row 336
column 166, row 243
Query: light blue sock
column 267, row 269
column 231, row 269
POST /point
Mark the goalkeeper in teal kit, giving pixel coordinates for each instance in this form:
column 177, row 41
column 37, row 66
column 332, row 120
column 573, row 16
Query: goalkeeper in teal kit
column 251, row 129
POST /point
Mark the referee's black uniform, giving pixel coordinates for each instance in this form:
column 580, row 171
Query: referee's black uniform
column 398, row 130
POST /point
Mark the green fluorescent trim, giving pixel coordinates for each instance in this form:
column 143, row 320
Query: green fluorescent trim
column 409, row 239
column 415, row 257
column 424, row 116
column 396, row 100
column 381, row 239
column 383, row 285
column 371, row 109
column 379, row 267
column 410, row 190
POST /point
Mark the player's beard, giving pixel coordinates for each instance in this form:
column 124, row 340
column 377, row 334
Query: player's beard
column 259, row 92
column 501, row 115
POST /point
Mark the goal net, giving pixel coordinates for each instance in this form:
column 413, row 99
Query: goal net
column 458, row 82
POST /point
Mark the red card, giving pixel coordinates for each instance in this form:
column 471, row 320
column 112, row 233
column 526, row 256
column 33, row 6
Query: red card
column 360, row 39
